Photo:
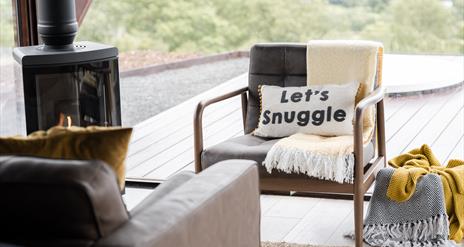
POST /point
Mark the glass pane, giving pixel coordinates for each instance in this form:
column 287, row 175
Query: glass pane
column 172, row 54
column 82, row 94
column 10, row 119
column 198, row 26
column 150, row 33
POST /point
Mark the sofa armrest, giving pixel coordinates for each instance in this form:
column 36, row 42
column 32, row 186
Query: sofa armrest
column 198, row 120
column 218, row 207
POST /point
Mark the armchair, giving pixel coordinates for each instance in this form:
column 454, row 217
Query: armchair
column 285, row 65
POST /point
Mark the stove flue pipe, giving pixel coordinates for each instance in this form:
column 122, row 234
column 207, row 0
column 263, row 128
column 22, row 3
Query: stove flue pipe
column 56, row 23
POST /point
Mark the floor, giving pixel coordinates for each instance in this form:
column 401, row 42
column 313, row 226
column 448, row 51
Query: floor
column 163, row 145
column 302, row 220
column 306, row 220
column 435, row 119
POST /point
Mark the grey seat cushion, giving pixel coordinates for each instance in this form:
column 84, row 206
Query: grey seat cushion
column 254, row 148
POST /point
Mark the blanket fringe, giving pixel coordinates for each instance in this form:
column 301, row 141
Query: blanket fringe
column 429, row 232
column 339, row 168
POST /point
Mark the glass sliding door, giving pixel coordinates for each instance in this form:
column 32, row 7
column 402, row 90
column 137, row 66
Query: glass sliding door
column 11, row 109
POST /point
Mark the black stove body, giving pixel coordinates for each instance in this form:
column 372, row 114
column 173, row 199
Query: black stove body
column 67, row 83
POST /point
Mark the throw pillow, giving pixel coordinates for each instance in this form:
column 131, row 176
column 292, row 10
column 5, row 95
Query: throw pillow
column 108, row 144
column 321, row 109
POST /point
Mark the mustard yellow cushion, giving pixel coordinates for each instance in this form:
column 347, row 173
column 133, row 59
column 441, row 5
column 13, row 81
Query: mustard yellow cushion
column 108, row 144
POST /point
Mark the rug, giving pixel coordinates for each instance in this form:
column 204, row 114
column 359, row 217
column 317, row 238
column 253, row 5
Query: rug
column 282, row 244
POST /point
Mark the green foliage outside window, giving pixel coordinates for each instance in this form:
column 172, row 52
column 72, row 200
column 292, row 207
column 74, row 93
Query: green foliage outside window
column 209, row 26
column 6, row 24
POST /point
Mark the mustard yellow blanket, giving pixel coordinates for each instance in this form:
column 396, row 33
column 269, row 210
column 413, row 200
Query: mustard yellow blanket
column 420, row 161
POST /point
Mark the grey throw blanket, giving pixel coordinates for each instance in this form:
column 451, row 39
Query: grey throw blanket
column 420, row 221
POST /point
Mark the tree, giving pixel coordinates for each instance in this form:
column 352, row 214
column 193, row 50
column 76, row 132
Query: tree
column 6, row 24
column 218, row 25
column 417, row 26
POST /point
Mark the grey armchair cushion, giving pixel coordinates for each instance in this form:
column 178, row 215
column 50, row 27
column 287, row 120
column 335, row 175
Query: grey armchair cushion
column 273, row 64
column 255, row 148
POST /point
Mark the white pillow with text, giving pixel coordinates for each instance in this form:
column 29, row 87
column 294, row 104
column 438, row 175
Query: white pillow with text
column 326, row 110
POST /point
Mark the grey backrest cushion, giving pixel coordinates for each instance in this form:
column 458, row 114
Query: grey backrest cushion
column 51, row 199
column 273, row 64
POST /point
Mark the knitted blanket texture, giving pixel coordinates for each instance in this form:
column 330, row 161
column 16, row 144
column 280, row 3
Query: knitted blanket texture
column 417, row 163
column 420, row 221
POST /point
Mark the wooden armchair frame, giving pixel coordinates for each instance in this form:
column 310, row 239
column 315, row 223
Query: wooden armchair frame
column 364, row 175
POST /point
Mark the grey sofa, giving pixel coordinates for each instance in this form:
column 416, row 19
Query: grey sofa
column 47, row 202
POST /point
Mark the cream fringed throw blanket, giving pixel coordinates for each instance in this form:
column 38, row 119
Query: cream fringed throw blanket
column 330, row 158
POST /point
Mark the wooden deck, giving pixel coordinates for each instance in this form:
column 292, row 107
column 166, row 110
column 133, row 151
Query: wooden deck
column 163, row 145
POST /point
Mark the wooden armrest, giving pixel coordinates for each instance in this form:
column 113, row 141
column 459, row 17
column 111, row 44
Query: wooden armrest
column 198, row 120
column 373, row 98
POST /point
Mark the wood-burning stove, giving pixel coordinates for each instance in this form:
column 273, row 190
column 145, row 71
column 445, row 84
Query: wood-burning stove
column 66, row 83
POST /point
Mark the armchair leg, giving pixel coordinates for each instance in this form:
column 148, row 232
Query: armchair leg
column 358, row 218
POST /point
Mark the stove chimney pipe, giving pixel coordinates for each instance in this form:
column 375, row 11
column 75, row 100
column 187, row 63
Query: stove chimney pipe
column 57, row 24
